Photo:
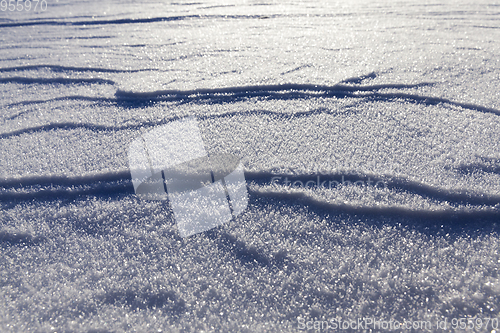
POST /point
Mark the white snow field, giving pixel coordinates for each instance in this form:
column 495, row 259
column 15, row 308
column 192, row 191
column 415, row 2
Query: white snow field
column 391, row 107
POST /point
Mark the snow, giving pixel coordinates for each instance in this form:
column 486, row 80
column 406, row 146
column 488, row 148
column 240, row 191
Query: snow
column 368, row 132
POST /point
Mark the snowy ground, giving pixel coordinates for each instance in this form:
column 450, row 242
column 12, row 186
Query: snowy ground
column 399, row 93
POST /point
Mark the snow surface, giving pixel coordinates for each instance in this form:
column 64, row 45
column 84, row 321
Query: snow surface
column 401, row 93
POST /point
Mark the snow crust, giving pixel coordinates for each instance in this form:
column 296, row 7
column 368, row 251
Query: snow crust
column 368, row 132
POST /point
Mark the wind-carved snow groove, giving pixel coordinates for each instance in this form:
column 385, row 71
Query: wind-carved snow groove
column 439, row 216
column 127, row 20
column 293, row 91
column 360, row 79
column 487, row 165
column 66, row 98
column 48, row 127
column 53, row 192
column 55, row 80
column 97, row 22
column 119, row 183
column 146, row 124
column 72, row 126
column 429, row 100
column 63, row 180
column 168, row 301
column 246, row 253
column 390, row 182
column 281, row 92
column 296, row 69
column 55, row 187
column 19, row 238
column 57, row 68
column 260, row 90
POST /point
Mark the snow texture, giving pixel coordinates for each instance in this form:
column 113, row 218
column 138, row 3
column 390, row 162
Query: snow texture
column 368, row 132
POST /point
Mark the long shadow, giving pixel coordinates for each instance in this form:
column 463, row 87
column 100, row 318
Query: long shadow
column 477, row 220
column 60, row 126
column 56, row 80
column 169, row 302
column 109, row 183
column 119, row 184
column 232, row 94
column 68, row 181
column 487, row 165
column 396, row 184
column 430, row 100
column 97, row 22
column 444, row 216
column 126, row 20
column 136, row 100
column 68, row 98
column 260, row 90
column 19, row 238
column 140, row 102
column 41, row 195
column 248, row 255
column 148, row 124
column 448, row 224
column 292, row 91
column 361, row 78
column 58, row 68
